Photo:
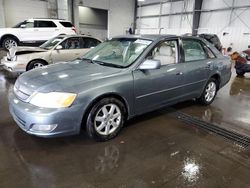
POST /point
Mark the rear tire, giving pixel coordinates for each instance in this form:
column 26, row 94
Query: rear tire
column 209, row 92
column 36, row 64
column 105, row 119
column 9, row 42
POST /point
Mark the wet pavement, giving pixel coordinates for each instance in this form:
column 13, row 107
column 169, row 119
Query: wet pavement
column 230, row 108
column 153, row 150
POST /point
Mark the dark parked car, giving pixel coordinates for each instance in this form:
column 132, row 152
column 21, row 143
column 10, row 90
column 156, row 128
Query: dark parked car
column 213, row 39
column 119, row 79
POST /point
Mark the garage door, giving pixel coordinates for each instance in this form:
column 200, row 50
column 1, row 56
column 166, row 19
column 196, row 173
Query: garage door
column 17, row 11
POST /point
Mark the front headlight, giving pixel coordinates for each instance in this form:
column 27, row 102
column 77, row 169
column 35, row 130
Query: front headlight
column 53, row 99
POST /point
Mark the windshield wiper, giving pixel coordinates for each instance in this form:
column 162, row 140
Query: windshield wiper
column 83, row 58
column 110, row 64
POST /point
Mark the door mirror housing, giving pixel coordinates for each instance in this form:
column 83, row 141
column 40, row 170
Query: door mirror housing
column 59, row 47
column 23, row 26
column 150, row 64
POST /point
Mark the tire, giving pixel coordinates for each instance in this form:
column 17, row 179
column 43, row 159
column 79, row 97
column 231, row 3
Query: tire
column 97, row 117
column 35, row 64
column 9, row 42
column 240, row 73
column 208, row 95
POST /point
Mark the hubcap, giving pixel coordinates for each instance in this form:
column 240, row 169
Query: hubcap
column 10, row 43
column 210, row 91
column 107, row 119
column 37, row 65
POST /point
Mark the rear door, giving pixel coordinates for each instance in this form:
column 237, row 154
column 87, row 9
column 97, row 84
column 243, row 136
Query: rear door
column 198, row 60
column 45, row 29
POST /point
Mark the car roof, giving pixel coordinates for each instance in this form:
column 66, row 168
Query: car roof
column 49, row 19
column 67, row 36
column 155, row 37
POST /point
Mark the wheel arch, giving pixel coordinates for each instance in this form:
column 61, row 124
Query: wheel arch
column 39, row 59
column 9, row 35
column 217, row 77
column 100, row 97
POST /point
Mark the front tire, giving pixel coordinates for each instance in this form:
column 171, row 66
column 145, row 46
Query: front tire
column 105, row 119
column 209, row 92
column 36, row 64
column 9, row 42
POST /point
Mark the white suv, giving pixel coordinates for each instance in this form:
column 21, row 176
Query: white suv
column 34, row 31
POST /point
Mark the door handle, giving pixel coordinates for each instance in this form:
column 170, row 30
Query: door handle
column 208, row 66
column 35, row 29
column 179, row 73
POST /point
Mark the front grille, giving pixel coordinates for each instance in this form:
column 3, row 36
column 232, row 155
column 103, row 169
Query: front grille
column 20, row 92
column 22, row 122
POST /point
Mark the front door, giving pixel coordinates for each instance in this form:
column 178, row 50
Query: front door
column 72, row 48
column 154, row 88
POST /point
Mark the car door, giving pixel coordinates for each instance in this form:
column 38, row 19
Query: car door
column 154, row 88
column 71, row 48
column 198, row 64
column 26, row 31
column 46, row 29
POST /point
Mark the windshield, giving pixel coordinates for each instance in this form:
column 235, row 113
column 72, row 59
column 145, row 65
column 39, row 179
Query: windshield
column 51, row 43
column 120, row 52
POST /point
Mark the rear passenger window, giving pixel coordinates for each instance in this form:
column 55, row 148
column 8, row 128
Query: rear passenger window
column 193, row 50
column 209, row 52
column 44, row 24
column 66, row 24
column 90, row 42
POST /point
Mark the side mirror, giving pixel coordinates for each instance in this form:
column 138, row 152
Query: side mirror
column 150, row 64
column 23, row 26
column 248, row 46
column 59, row 47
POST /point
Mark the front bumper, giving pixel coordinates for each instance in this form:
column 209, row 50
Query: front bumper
column 13, row 66
column 68, row 120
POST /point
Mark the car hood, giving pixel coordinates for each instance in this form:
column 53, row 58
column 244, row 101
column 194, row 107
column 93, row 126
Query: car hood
column 24, row 50
column 64, row 76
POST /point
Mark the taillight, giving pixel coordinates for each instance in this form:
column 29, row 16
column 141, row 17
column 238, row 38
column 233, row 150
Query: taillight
column 74, row 29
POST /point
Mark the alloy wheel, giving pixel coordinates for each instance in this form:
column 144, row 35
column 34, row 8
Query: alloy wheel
column 107, row 119
column 37, row 65
column 210, row 91
column 9, row 43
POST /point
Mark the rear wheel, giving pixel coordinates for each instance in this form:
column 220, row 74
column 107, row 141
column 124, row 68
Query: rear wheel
column 36, row 64
column 9, row 42
column 105, row 119
column 209, row 92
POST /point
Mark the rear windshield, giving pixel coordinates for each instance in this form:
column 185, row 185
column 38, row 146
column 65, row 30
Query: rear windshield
column 66, row 24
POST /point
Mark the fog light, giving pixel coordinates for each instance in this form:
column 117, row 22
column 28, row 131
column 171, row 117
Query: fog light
column 43, row 128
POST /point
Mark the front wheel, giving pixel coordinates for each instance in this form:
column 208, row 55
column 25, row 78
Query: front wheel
column 35, row 64
column 209, row 92
column 105, row 119
column 9, row 42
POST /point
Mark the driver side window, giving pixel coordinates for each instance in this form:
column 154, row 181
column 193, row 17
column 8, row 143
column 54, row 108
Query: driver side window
column 166, row 52
column 71, row 43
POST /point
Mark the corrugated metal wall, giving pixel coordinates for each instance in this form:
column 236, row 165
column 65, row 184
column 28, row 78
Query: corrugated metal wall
column 232, row 24
column 173, row 17
column 229, row 19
